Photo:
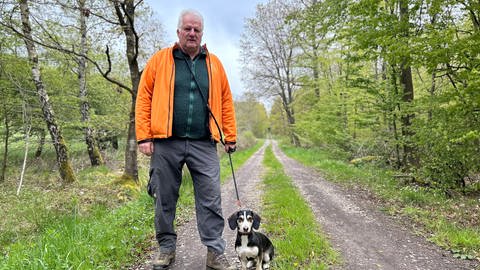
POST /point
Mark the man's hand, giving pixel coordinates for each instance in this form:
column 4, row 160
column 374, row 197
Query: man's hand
column 146, row 148
column 230, row 147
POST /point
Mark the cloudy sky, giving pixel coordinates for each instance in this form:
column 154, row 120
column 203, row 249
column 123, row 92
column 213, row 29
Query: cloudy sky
column 224, row 20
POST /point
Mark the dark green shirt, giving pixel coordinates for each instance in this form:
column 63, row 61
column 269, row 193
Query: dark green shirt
column 190, row 115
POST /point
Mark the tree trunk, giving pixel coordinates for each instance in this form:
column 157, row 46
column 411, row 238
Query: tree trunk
column 126, row 13
column 92, row 146
column 393, row 107
column 65, row 168
column 5, row 146
column 407, row 85
column 290, row 120
column 41, row 143
column 431, row 91
column 316, row 72
column 25, row 155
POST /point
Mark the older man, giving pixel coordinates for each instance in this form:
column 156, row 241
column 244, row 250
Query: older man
column 175, row 127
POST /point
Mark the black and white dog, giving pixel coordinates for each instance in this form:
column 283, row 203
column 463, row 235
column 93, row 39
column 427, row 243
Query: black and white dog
column 253, row 248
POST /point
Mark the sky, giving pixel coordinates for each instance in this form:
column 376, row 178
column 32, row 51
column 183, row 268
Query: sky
column 223, row 26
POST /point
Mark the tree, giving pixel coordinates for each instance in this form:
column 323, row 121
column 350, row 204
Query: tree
column 268, row 52
column 406, row 83
column 92, row 147
column 126, row 17
column 118, row 16
column 63, row 159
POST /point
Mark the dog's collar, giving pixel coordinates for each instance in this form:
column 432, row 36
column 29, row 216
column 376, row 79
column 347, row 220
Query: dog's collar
column 244, row 233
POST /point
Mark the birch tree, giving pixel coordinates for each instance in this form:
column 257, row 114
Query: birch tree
column 63, row 160
column 92, row 146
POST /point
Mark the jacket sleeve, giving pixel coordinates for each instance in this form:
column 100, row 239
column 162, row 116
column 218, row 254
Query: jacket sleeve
column 143, row 105
column 229, row 125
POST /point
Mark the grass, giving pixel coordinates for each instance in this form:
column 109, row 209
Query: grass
column 291, row 225
column 452, row 223
column 104, row 239
column 98, row 222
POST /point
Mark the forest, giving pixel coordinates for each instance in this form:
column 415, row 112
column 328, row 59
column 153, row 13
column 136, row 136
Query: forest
column 389, row 83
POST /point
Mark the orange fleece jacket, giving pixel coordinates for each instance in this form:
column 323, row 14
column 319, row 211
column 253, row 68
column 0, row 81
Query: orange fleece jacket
column 154, row 103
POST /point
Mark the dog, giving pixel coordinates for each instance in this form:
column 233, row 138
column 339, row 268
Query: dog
column 253, row 248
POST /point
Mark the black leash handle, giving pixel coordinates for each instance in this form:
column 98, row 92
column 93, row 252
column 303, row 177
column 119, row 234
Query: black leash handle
column 219, row 130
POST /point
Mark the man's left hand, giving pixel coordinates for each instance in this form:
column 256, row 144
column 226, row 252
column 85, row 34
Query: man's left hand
column 230, row 147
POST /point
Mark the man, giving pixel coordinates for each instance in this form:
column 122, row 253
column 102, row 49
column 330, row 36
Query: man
column 175, row 127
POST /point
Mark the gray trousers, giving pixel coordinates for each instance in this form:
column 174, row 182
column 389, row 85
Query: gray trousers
column 167, row 161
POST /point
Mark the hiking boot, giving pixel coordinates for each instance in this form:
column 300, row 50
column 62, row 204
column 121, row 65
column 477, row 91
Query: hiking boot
column 163, row 260
column 217, row 261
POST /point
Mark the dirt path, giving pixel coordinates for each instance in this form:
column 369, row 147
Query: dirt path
column 366, row 238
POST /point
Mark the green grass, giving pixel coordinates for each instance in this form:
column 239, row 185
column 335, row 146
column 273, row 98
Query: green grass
column 452, row 223
column 289, row 222
column 105, row 239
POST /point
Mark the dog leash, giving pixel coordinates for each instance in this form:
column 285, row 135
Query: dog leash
column 230, row 151
column 239, row 204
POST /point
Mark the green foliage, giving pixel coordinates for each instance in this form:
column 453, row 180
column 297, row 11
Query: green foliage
column 352, row 96
column 251, row 116
column 246, row 139
column 448, row 136
column 298, row 240
column 278, row 120
column 312, row 124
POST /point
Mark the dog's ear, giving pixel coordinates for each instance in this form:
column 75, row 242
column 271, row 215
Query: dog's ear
column 232, row 221
column 256, row 221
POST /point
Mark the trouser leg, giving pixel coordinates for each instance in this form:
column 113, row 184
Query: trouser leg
column 203, row 164
column 165, row 180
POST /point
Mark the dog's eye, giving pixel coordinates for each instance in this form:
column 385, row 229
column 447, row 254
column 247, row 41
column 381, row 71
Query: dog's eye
column 240, row 219
column 249, row 219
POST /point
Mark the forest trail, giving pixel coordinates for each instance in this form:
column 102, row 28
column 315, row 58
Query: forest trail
column 365, row 237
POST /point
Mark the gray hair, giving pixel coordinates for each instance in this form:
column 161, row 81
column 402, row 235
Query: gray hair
column 186, row 12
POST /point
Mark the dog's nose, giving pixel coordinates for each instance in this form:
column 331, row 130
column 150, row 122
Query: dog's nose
column 245, row 229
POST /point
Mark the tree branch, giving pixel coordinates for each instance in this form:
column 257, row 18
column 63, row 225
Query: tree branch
column 62, row 49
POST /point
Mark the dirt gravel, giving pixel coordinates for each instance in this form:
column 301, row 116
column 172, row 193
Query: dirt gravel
column 365, row 237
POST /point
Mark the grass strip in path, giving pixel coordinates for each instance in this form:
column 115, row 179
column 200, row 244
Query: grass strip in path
column 290, row 224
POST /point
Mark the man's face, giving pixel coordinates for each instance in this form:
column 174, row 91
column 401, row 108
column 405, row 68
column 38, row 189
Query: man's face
column 190, row 34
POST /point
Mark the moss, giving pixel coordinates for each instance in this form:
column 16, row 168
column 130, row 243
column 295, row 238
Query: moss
column 66, row 172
